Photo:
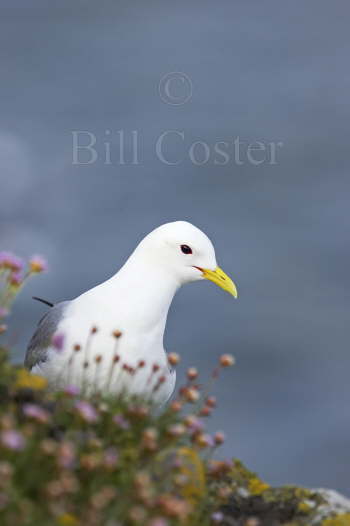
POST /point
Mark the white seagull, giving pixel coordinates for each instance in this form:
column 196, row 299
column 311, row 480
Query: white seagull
column 110, row 339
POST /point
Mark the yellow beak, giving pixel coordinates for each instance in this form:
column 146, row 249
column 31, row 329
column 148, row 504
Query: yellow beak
column 221, row 279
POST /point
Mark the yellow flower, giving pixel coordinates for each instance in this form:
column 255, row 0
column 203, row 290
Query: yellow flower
column 257, row 486
column 26, row 380
column 37, row 264
column 193, row 470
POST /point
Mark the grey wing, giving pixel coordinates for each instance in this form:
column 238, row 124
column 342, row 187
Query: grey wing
column 41, row 339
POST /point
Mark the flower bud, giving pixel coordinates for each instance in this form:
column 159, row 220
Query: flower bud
column 205, row 411
column 176, row 406
column 37, row 264
column 219, row 438
column 227, row 360
column 176, row 430
column 211, row 401
column 191, row 394
column 203, row 440
column 192, row 373
column 173, row 358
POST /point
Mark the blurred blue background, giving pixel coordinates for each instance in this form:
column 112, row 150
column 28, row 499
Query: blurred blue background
column 262, row 71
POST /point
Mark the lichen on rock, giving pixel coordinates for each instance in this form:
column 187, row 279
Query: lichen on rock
column 340, row 520
column 252, row 501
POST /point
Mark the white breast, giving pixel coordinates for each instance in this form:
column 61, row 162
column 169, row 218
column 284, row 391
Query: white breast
column 98, row 360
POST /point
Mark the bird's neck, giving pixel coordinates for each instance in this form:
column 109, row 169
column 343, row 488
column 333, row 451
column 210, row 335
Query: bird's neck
column 145, row 292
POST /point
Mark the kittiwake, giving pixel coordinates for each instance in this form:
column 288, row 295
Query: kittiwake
column 110, row 338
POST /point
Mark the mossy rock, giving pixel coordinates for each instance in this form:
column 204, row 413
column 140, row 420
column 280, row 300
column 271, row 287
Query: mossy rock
column 254, row 502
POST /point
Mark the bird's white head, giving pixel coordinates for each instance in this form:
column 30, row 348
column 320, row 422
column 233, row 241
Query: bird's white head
column 186, row 252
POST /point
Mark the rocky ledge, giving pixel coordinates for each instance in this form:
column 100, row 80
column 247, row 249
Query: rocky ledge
column 252, row 502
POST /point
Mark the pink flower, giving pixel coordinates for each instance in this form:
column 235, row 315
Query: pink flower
column 10, row 261
column 121, row 421
column 193, row 423
column 209, row 440
column 3, row 312
column 12, row 439
column 58, row 341
column 36, row 412
column 86, row 411
column 16, row 278
column 37, row 264
column 219, row 438
column 72, row 390
column 204, row 440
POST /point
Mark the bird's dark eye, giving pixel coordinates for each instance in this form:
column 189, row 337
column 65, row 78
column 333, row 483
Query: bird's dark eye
column 186, row 249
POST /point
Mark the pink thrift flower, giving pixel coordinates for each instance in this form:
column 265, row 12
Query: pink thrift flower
column 208, row 440
column 37, row 264
column 12, row 439
column 10, row 261
column 36, row 412
column 16, row 278
column 3, row 312
column 203, row 440
column 72, row 390
column 193, row 423
column 219, row 438
column 86, row 411
column 121, row 422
